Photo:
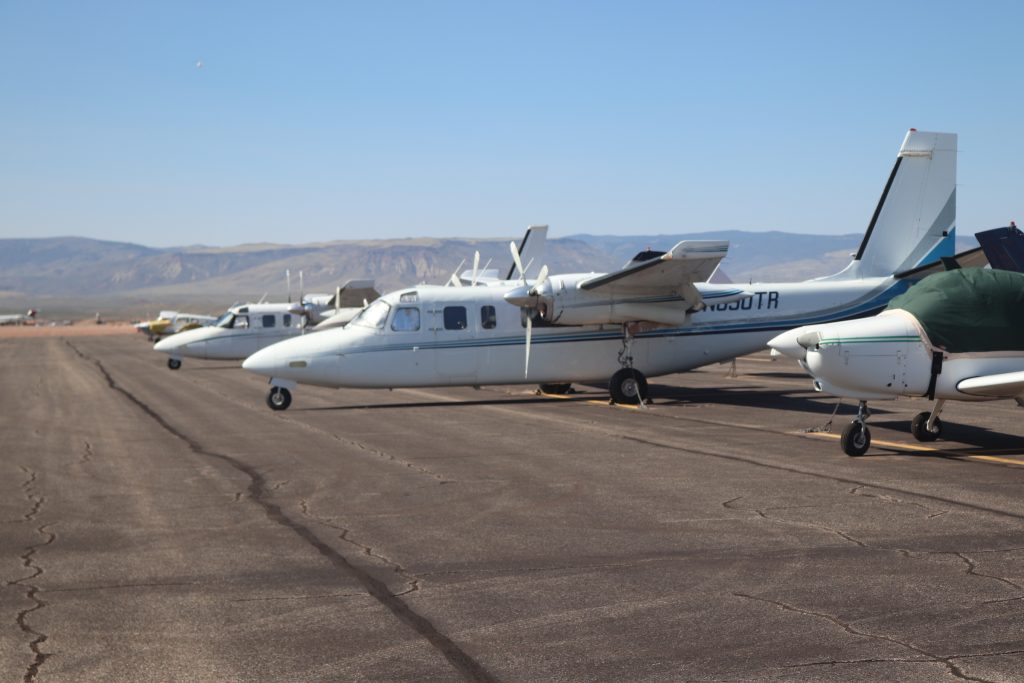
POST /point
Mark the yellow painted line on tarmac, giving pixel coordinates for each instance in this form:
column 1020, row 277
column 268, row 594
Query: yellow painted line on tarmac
column 926, row 449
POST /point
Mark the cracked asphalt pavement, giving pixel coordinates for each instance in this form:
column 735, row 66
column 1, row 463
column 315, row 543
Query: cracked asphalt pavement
column 167, row 526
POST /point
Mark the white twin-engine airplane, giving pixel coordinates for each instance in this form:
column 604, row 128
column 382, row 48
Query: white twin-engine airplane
column 955, row 336
column 19, row 318
column 246, row 328
column 655, row 316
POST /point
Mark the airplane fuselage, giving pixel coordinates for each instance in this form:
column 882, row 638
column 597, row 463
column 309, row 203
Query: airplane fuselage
column 438, row 336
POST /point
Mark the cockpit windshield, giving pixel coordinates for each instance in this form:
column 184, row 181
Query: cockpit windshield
column 374, row 315
column 226, row 320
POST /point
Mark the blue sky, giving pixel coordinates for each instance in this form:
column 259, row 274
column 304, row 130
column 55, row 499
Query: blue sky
column 342, row 120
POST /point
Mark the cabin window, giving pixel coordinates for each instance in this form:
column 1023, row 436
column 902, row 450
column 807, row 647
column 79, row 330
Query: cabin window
column 454, row 317
column 407, row 319
column 241, row 322
column 287, row 319
column 488, row 317
column 268, row 320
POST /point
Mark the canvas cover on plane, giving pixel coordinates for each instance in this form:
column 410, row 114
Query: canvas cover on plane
column 970, row 309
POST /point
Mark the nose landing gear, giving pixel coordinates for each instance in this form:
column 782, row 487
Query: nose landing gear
column 279, row 398
column 857, row 437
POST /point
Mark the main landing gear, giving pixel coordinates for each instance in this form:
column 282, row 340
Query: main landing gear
column 857, row 437
column 173, row 363
column 628, row 385
column 927, row 426
column 279, row 398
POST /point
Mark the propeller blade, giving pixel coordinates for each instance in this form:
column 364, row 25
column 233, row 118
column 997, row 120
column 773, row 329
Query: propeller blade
column 542, row 277
column 337, row 300
column 476, row 267
column 454, row 280
column 518, row 261
column 301, row 289
column 288, row 279
column 529, row 335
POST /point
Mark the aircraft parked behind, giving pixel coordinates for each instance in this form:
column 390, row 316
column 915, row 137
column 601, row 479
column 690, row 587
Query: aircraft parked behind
column 246, row 328
column 655, row 316
column 172, row 322
column 27, row 318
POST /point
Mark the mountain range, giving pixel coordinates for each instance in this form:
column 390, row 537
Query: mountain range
column 70, row 273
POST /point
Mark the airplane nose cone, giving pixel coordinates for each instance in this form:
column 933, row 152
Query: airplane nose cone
column 795, row 343
column 166, row 345
column 263, row 362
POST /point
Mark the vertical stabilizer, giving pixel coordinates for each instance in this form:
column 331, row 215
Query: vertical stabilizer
column 915, row 220
column 531, row 251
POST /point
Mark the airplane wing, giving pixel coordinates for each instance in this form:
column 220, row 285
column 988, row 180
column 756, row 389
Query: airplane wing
column 1005, row 385
column 671, row 272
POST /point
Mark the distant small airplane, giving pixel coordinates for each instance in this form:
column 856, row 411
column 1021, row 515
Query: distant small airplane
column 172, row 322
column 657, row 315
column 26, row 318
column 955, row 336
column 246, row 328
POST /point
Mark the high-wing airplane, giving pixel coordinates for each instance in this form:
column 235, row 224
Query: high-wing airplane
column 955, row 336
column 246, row 328
column 653, row 317
column 19, row 318
column 172, row 322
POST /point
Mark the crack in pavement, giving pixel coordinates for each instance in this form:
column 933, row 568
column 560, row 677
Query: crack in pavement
column 462, row 662
column 350, row 442
column 906, row 552
column 857, row 491
column 410, row 580
column 953, row 669
column 32, row 591
column 302, row 597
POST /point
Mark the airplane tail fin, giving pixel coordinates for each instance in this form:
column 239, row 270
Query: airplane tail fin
column 531, row 251
column 1004, row 248
column 915, row 220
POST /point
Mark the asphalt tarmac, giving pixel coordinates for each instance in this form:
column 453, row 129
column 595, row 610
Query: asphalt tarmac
column 167, row 526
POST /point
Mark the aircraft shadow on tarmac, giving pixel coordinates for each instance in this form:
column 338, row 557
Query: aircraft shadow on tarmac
column 957, row 440
column 502, row 401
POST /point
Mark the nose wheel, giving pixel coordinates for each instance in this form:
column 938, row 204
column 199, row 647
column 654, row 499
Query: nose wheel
column 856, row 437
column 279, row 398
column 173, row 363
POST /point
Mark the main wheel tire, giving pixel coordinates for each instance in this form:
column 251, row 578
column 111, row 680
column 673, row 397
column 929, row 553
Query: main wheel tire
column 919, row 427
column 173, row 363
column 279, row 398
column 628, row 386
column 856, row 439
column 557, row 389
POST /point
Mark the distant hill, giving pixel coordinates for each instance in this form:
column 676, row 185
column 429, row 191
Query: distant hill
column 72, row 268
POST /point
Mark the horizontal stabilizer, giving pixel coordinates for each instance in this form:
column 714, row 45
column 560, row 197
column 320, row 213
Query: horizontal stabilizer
column 1004, row 248
column 1005, row 385
column 972, row 258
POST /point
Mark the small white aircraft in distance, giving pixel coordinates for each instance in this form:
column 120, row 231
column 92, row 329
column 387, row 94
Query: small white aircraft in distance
column 246, row 328
column 655, row 316
column 27, row 318
column 172, row 322
column 955, row 336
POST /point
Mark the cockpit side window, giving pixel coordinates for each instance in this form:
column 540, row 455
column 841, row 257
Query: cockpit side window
column 488, row 317
column 268, row 320
column 374, row 315
column 287, row 320
column 241, row 322
column 407, row 319
column 454, row 317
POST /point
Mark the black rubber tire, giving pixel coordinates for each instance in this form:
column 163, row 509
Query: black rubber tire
column 918, row 427
column 173, row 363
column 279, row 398
column 557, row 389
column 856, row 439
column 628, row 386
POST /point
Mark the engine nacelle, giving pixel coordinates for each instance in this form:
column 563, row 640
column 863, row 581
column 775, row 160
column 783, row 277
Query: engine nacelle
column 880, row 357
